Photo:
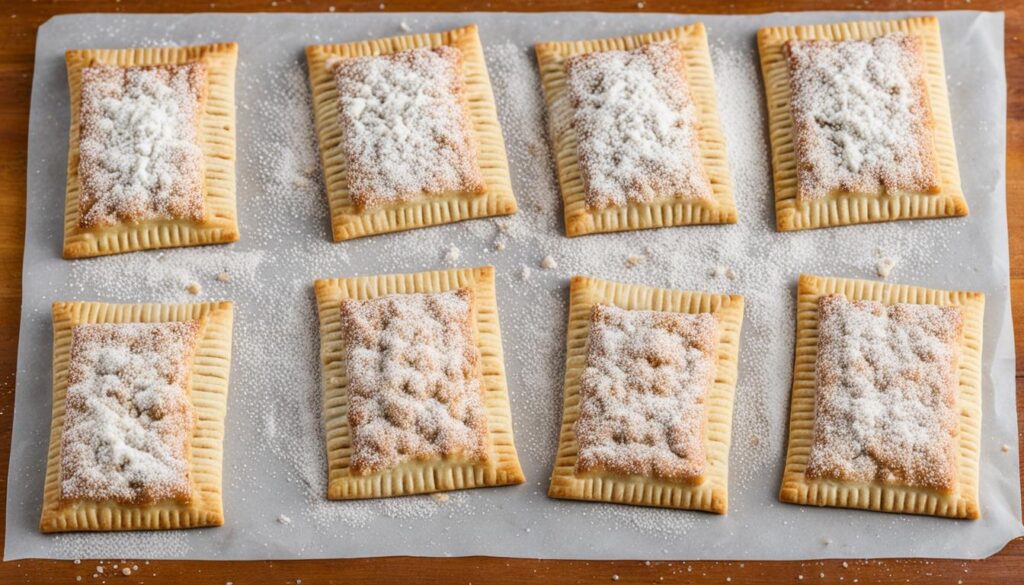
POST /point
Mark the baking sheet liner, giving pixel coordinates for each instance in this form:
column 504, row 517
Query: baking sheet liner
column 271, row 472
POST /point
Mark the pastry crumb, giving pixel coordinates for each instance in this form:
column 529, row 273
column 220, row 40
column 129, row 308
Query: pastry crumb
column 193, row 288
column 884, row 266
column 548, row 263
column 499, row 246
column 1005, row 448
column 453, row 254
column 731, row 274
column 224, row 276
column 99, row 569
column 525, row 273
column 282, row 519
column 720, row 272
column 404, row 26
column 635, row 260
column 439, row 497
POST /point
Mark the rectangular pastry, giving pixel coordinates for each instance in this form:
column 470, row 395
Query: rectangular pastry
column 649, row 383
column 152, row 149
column 414, row 384
column 635, row 129
column 408, row 132
column 859, row 122
column 886, row 404
column 139, row 398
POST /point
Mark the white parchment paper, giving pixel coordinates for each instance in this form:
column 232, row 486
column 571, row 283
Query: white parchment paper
column 274, row 470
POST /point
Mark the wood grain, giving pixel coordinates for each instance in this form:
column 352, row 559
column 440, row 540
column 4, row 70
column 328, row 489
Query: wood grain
column 18, row 24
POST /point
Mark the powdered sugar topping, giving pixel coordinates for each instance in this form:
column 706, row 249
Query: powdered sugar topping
column 886, row 393
column 636, row 125
column 140, row 152
column 643, row 390
column 405, row 123
column 128, row 418
column 414, row 379
column 862, row 117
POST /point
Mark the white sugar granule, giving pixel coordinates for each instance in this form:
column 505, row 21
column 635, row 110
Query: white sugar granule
column 636, row 125
column 140, row 154
column 861, row 115
column 282, row 519
column 548, row 263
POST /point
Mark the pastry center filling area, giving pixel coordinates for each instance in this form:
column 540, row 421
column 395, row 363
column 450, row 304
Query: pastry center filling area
column 643, row 392
column 636, row 126
column 886, row 393
column 140, row 156
column 405, row 124
column 414, row 380
column 128, row 419
column 862, row 116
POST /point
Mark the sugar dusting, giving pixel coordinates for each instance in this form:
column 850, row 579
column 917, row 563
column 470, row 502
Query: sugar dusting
column 140, row 152
column 414, row 380
column 405, row 125
column 636, row 125
column 861, row 116
column 127, row 417
column 275, row 448
column 642, row 393
column 885, row 408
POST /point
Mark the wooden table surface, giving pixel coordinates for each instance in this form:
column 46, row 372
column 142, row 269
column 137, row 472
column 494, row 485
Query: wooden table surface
column 18, row 24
